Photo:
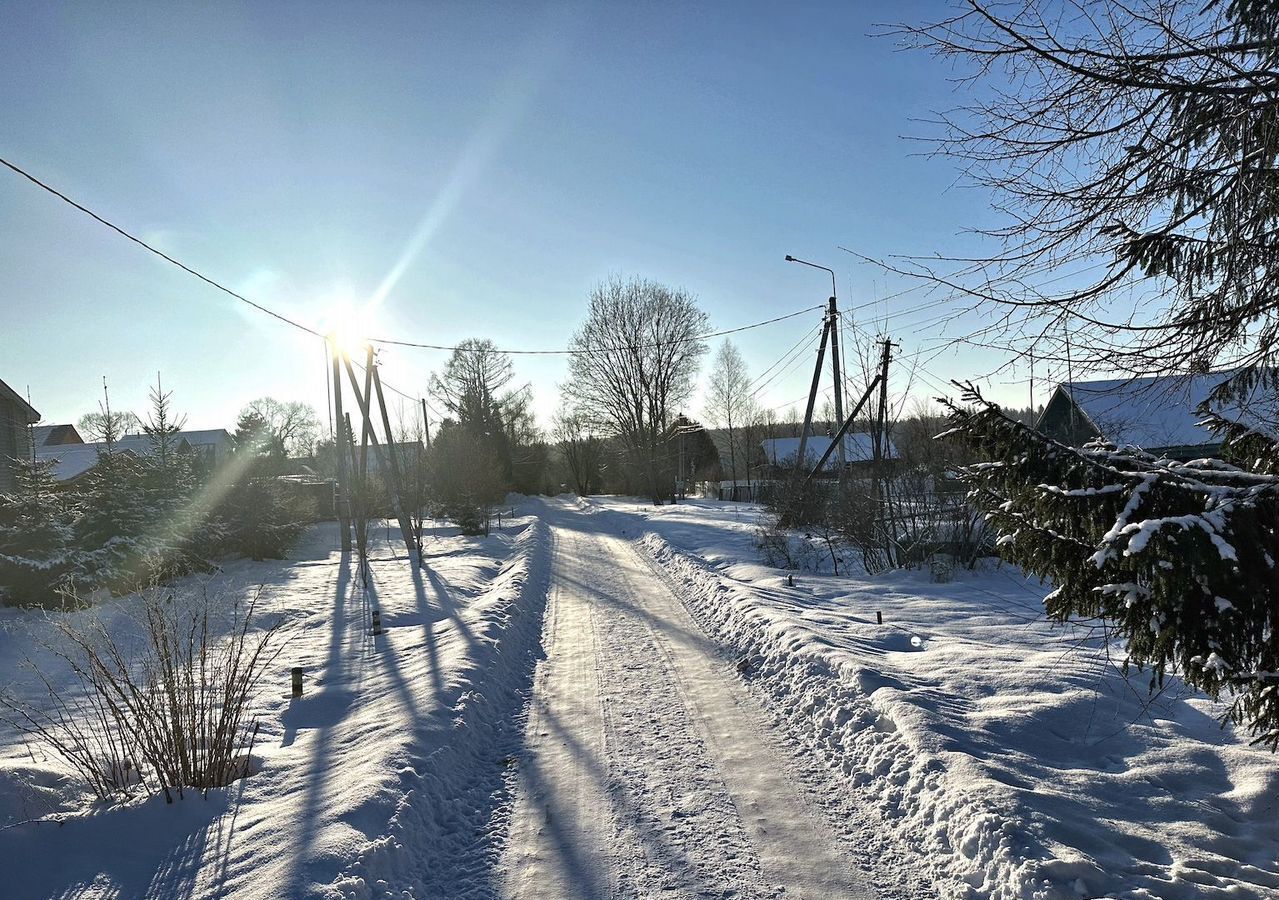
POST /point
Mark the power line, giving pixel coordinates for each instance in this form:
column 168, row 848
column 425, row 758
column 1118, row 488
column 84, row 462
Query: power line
column 783, row 357
column 386, row 341
column 572, row 351
column 160, row 253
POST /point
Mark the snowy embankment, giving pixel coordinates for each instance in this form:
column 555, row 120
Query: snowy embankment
column 1009, row 758
column 384, row 775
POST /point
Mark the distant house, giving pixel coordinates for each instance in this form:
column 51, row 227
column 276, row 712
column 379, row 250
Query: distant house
column 71, row 460
column 859, row 453
column 214, row 444
column 55, row 436
column 1157, row 414
column 16, row 418
column 406, row 453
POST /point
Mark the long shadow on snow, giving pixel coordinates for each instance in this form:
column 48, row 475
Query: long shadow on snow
column 458, row 776
column 648, row 829
column 321, row 712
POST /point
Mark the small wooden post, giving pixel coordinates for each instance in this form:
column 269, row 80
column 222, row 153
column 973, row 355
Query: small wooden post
column 377, row 621
column 297, row 681
column 790, row 580
column 879, row 617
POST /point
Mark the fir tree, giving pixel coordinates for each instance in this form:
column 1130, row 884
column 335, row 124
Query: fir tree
column 1182, row 558
column 38, row 555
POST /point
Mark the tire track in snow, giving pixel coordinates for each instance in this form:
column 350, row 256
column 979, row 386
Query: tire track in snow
column 678, row 788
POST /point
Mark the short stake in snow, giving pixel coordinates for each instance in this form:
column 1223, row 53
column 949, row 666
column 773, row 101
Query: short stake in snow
column 879, row 617
column 377, row 621
column 297, row 681
column 790, row 580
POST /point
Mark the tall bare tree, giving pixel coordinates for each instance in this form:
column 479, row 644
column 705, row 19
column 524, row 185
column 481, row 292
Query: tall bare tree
column 583, row 450
column 1131, row 146
column 292, row 426
column 634, row 362
column 727, row 396
column 108, row 426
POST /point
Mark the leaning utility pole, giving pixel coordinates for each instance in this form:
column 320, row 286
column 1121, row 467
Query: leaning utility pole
column 397, row 480
column 812, row 397
column 339, row 444
column 830, row 331
column 365, row 401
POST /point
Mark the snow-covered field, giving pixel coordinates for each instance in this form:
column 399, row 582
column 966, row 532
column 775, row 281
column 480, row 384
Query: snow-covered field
column 386, row 773
column 696, row 724
column 1000, row 756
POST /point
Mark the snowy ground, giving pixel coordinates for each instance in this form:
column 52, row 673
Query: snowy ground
column 996, row 755
column 604, row 699
column 648, row 771
column 383, row 778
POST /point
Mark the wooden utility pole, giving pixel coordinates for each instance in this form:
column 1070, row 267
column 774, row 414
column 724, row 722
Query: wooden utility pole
column 843, row 429
column 812, row 399
column 339, row 444
column 370, row 436
column 837, row 375
column 881, row 417
column 426, row 425
column 397, row 483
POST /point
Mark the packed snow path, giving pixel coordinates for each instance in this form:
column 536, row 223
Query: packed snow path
column 648, row 771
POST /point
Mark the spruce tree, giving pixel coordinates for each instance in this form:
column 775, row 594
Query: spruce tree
column 38, row 555
column 1181, row 557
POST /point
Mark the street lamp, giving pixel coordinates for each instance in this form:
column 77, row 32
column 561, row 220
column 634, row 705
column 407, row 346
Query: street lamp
column 836, row 371
column 804, row 262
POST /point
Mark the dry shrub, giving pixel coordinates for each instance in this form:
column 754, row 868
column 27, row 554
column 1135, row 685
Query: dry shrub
column 164, row 705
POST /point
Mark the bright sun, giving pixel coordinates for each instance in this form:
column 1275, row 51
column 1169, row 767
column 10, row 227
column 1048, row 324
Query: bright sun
column 347, row 323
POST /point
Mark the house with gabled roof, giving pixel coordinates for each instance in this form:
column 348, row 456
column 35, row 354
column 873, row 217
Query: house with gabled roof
column 72, row 461
column 55, row 436
column 16, row 418
column 781, row 454
column 1157, row 414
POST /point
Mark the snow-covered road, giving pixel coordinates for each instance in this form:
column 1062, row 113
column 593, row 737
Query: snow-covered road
column 648, row 771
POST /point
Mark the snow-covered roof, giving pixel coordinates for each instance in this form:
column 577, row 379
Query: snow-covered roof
column 858, row 447
column 72, row 460
column 1158, row 411
column 61, row 434
column 140, row 444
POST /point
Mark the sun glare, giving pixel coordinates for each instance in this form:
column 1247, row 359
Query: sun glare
column 347, row 323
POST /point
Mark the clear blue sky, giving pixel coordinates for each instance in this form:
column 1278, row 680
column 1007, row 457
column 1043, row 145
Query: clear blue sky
column 480, row 166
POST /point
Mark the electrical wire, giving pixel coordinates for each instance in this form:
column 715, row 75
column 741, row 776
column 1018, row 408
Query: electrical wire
column 160, row 253
column 584, row 351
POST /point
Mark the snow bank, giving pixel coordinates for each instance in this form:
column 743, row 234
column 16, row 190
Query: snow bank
column 441, row 842
column 1008, row 758
column 384, row 773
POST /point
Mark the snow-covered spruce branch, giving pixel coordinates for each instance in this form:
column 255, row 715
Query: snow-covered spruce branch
column 1181, row 558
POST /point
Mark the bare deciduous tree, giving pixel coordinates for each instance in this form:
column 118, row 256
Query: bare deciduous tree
column 108, row 426
column 728, row 396
column 1130, row 146
column 583, row 451
column 633, row 365
column 293, row 426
